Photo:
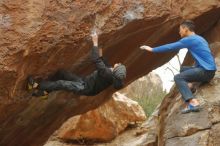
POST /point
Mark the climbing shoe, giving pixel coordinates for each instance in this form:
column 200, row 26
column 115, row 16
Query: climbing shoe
column 30, row 83
column 41, row 94
column 191, row 108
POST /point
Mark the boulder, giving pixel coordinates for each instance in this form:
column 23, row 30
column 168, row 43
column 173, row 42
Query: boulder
column 104, row 123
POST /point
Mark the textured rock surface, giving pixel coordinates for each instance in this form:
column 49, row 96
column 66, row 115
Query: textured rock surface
column 103, row 123
column 145, row 134
column 41, row 36
column 200, row 138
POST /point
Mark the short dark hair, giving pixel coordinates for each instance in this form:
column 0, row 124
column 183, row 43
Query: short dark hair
column 189, row 24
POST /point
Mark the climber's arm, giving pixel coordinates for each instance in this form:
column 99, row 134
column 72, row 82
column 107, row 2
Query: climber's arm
column 98, row 59
column 95, row 44
column 100, row 52
column 96, row 52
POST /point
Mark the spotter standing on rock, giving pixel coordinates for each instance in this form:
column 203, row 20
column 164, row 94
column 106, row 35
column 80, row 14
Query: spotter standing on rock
column 204, row 69
column 103, row 77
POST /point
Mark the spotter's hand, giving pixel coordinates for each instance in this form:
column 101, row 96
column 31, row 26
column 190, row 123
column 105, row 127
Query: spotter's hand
column 146, row 48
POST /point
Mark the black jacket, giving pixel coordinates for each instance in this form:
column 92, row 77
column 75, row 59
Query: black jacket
column 101, row 78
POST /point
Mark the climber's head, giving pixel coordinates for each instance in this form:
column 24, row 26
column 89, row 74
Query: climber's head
column 119, row 72
column 186, row 28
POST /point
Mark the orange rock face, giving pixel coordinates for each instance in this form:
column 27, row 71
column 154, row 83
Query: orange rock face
column 103, row 123
column 40, row 36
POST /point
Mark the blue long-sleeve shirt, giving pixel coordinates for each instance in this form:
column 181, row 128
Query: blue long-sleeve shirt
column 197, row 46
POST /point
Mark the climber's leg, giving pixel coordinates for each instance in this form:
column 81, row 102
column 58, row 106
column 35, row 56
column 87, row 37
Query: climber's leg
column 59, row 75
column 44, row 87
column 64, row 75
column 73, row 86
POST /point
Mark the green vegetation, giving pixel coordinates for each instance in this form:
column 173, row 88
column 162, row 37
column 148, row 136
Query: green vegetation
column 150, row 102
column 147, row 91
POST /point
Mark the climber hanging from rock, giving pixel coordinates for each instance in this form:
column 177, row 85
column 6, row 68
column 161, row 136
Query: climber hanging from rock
column 103, row 77
column 204, row 69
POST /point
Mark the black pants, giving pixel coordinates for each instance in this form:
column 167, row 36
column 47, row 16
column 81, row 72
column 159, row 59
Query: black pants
column 63, row 80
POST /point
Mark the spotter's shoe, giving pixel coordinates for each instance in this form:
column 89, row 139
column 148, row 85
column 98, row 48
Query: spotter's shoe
column 191, row 108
